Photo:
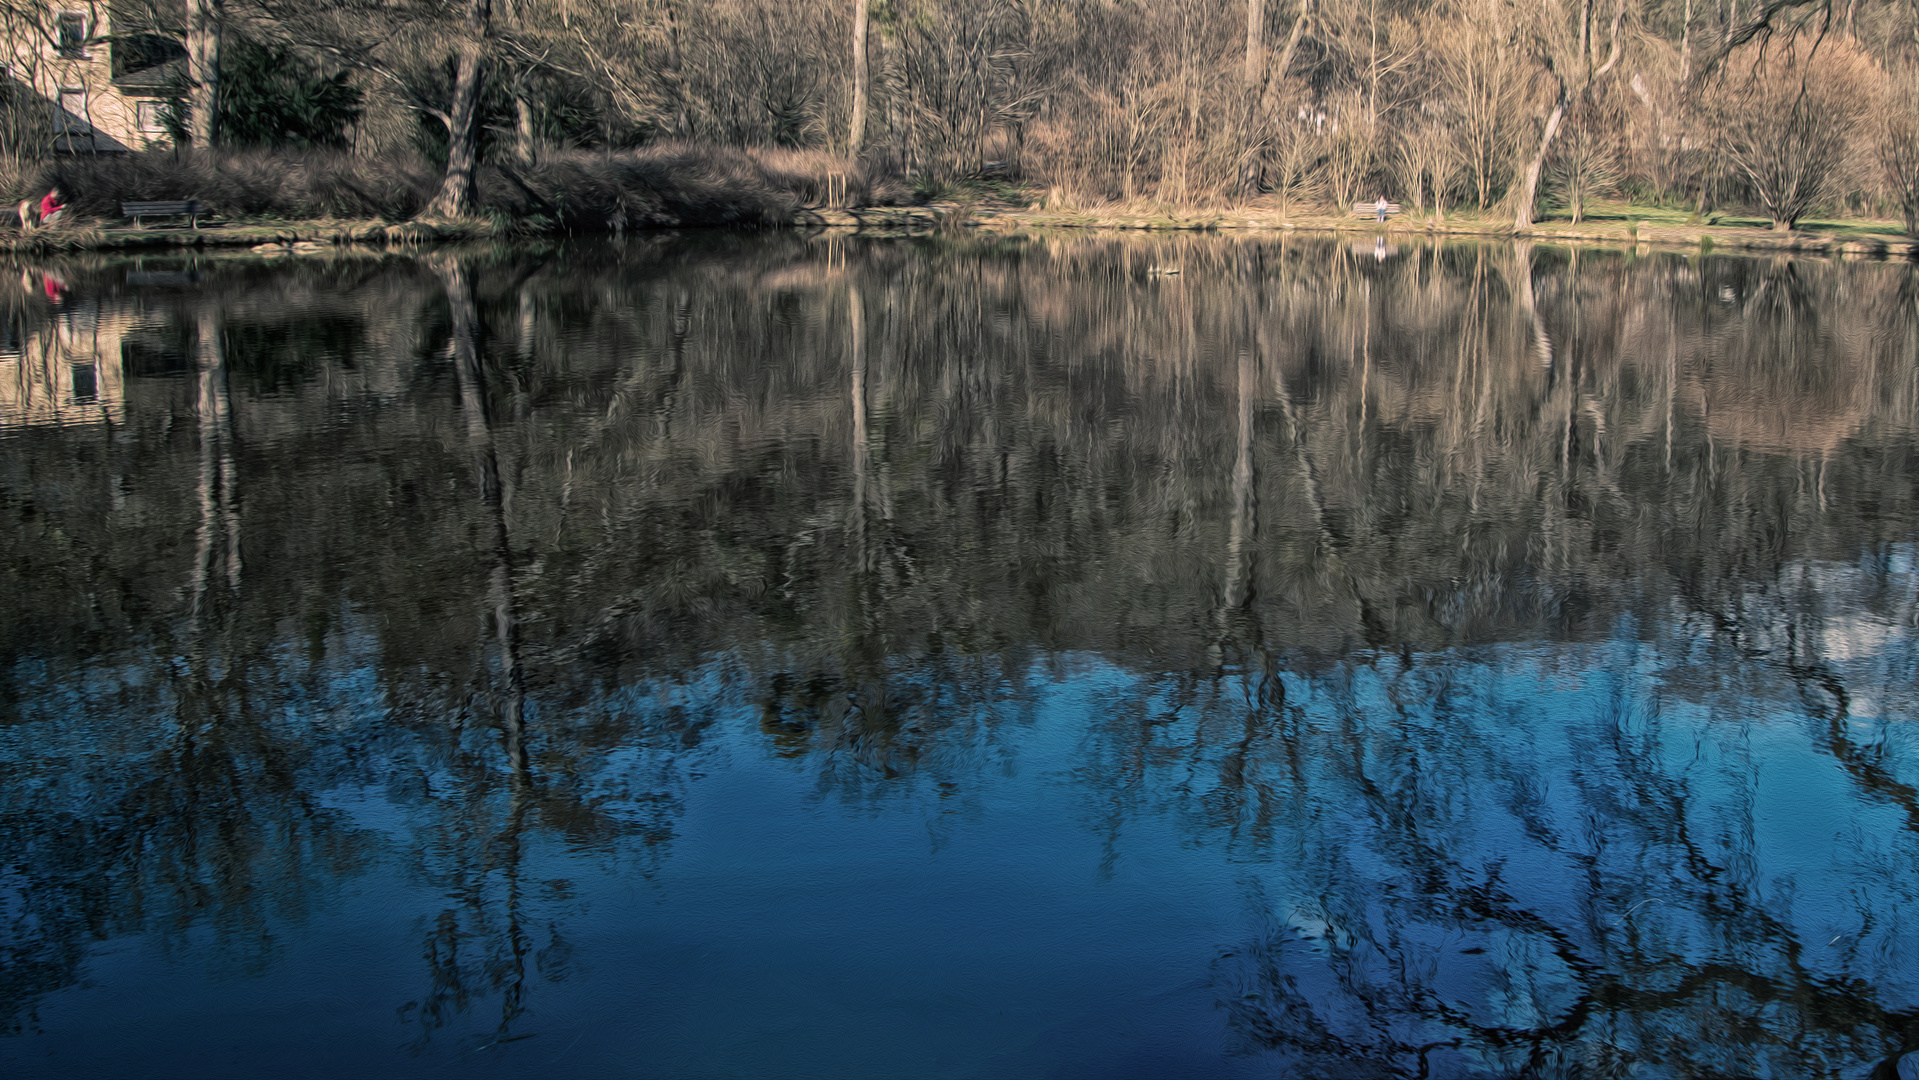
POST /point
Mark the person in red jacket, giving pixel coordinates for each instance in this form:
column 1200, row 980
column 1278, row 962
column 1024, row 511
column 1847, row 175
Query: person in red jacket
column 51, row 207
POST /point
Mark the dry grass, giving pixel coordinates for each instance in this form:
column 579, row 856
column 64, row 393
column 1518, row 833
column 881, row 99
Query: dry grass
column 660, row 186
column 240, row 184
column 677, row 184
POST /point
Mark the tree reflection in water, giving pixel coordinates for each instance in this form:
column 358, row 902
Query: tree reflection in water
column 1530, row 631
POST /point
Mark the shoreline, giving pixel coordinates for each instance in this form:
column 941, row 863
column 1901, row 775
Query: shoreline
column 1703, row 238
column 282, row 235
column 312, row 237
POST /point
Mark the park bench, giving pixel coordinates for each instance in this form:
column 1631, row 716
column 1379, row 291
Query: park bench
column 163, row 208
column 1371, row 209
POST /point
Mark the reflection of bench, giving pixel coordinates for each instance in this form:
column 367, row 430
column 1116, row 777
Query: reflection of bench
column 1371, row 209
column 169, row 208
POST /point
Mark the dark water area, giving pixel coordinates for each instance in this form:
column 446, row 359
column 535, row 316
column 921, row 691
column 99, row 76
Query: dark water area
column 1053, row 657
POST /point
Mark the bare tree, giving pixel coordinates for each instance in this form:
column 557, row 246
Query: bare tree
column 455, row 199
column 1479, row 67
column 1352, row 150
column 1789, row 113
column 1898, row 147
column 1583, row 165
column 1568, row 50
column 1262, row 137
column 960, row 72
column 1294, row 162
column 1429, row 161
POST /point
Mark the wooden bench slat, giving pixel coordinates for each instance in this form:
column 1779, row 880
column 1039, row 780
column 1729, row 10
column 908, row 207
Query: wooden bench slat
column 162, row 208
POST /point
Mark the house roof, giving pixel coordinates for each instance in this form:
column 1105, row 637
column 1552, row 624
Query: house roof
column 153, row 80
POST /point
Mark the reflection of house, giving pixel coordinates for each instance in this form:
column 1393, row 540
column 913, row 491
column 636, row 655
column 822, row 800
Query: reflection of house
column 102, row 89
column 63, row 372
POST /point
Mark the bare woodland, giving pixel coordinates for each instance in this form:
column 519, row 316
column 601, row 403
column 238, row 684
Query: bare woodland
column 1499, row 107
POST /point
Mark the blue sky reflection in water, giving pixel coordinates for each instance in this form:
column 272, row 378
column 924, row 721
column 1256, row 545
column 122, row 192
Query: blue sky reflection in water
column 719, row 656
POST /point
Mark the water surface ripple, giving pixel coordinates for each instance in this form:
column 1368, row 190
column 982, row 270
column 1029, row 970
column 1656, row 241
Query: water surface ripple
column 720, row 656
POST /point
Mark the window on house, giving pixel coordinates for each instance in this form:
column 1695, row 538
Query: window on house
column 72, row 31
column 152, row 117
column 70, row 118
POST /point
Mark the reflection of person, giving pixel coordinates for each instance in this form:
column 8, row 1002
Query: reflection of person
column 56, row 289
column 51, row 207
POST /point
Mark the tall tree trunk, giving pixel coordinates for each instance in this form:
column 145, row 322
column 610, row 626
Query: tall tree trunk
column 1685, row 45
column 1529, row 188
column 205, row 24
column 1569, row 92
column 525, row 137
column 1292, row 40
column 455, row 199
column 1372, row 64
column 523, row 127
column 856, row 136
column 1251, row 140
column 1255, row 27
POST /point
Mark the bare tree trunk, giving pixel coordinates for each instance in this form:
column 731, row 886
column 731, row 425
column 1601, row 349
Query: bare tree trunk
column 1372, row 64
column 1529, row 188
column 525, row 137
column 1292, row 40
column 523, row 128
column 455, row 199
column 1255, row 26
column 1685, row 45
column 1529, row 192
column 1250, row 139
column 856, row 137
column 1259, row 80
column 205, row 24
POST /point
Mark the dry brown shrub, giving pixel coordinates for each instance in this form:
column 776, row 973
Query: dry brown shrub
column 1898, row 147
column 665, row 185
column 1788, row 112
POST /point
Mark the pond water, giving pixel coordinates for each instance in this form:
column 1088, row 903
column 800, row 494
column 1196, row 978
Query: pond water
column 731, row 656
